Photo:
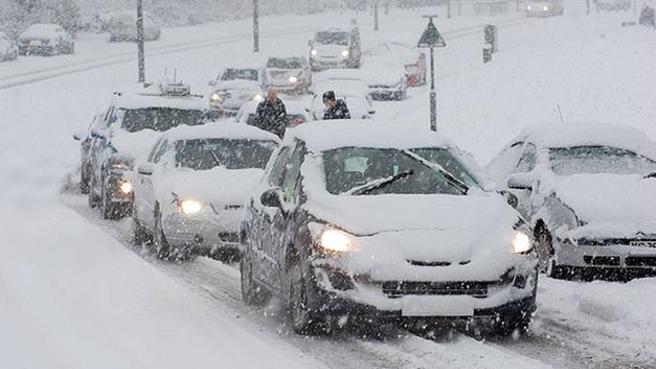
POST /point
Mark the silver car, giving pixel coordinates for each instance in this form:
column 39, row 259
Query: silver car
column 235, row 86
column 588, row 190
column 288, row 74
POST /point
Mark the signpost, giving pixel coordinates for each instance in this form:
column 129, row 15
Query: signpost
column 431, row 39
column 141, row 58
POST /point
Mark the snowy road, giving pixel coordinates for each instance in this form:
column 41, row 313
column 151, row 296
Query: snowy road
column 55, row 260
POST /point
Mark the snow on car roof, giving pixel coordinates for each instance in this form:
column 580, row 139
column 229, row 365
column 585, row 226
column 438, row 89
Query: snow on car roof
column 136, row 101
column 220, row 130
column 326, row 135
column 40, row 29
column 577, row 134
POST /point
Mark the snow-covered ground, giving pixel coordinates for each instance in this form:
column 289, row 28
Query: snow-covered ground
column 73, row 295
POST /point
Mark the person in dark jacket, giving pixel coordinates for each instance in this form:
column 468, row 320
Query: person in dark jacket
column 335, row 109
column 271, row 114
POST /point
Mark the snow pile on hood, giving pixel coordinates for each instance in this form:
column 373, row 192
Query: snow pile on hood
column 134, row 145
column 237, row 84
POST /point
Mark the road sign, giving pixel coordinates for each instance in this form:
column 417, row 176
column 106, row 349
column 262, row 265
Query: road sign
column 431, row 37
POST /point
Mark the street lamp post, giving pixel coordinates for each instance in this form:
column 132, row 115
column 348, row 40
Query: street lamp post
column 256, row 27
column 140, row 43
column 375, row 15
column 431, row 39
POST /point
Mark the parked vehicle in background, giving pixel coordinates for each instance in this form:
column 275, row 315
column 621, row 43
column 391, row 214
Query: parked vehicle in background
column 296, row 113
column 335, row 48
column 8, row 48
column 288, row 74
column 588, row 190
column 122, row 26
column 386, row 79
column 234, row 86
column 126, row 130
column 45, row 39
column 544, row 8
column 190, row 189
column 348, row 87
column 413, row 60
column 376, row 222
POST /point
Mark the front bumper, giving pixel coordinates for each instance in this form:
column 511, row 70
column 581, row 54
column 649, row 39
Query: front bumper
column 607, row 254
column 42, row 49
column 208, row 231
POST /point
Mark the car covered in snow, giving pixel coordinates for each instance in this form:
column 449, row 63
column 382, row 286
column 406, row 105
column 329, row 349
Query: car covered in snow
column 413, row 60
column 544, row 8
column 124, row 132
column 288, row 74
column 122, row 26
column 8, row 48
column 386, row 79
column 190, row 190
column 588, row 191
column 335, row 48
column 350, row 88
column 234, row 86
column 381, row 221
column 296, row 113
column 45, row 39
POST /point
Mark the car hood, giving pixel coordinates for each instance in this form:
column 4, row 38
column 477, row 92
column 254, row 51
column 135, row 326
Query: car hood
column 239, row 84
column 134, row 145
column 282, row 74
column 623, row 202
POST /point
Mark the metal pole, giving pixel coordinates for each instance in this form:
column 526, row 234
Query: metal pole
column 448, row 9
column 140, row 43
column 256, row 27
column 433, row 94
column 375, row 15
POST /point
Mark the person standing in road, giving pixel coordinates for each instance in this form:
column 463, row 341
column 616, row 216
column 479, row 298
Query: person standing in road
column 335, row 109
column 271, row 114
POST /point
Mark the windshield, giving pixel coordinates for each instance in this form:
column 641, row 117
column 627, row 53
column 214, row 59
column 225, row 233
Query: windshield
column 232, row 74
column 444, row 158
column 281, row 63
column 204, row 154
column 158, row 119
column 598, row 159
column 332, row 38
column 391, row 171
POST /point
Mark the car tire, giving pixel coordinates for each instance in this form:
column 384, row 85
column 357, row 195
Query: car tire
column 140, row 234
column 510, row 322
column 84, row 183
column 161, row 245
column 301, row 316
column 546, row 256
column 92, row 200
column 251, row 292
column 109, row 211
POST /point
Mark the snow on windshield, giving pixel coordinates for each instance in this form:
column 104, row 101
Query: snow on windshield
column 158, row 119
column 598, row 159
column 205, row 154
column 232, row 74
column 332, row 38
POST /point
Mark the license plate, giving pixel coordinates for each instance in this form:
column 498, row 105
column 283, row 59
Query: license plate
column 641, row 243
column 436, row 306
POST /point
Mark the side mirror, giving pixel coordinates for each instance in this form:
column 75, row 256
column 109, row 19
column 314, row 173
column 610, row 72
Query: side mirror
column 520, row 181
column 307, row 110
column 211, row 82
column 77, row 137
column 371, row 112
column 511, row 199
column 271, row 198
column 146, row 169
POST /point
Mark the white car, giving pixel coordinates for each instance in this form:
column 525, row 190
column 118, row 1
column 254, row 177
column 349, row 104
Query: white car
column 296, row 113
column 589, row 192
column 354, row 92
column 544, row 8
column 386, row 79
column 335, row 48
column 45, row 39
column 122, row 26
column 413, row 60
column 288, row 74
column 8, row 48
column 234, row 86
column 190, row 189
column 376, row 221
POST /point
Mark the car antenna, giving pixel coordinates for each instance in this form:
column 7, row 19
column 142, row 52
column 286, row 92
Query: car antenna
column 560, row 113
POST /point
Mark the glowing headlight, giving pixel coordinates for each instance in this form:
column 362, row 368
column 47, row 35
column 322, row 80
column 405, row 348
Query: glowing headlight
column 521, row 243
column 345, row 53
column 190, row 206
column 528, row 7
column 258, row 97
column 293, row 79
column 314, row 52
column 216, row 97
column 334, row 240
column 545, row 8
column 126, row 187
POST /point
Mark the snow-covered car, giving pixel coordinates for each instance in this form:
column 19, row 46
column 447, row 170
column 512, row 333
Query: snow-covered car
column 127, row 129
column 413, row 60
column 45, row 39
column 190, row 190
column 588, row 191
column 335, row 48
column 386, row 79
column 296, row 113
column 544, row 8
column 235, row 86
column 379, row 221
column 8, row 48
column 354, row 92
column 122, row 26
column 288, row 74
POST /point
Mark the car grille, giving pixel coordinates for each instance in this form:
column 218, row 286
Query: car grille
column 640, row 261
column 602, row 260
column 229, row 237
column 395, row 289
column 610, row 241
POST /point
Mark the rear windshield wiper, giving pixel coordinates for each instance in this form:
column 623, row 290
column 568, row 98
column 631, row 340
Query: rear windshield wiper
column 378, row 183
column 450, row 178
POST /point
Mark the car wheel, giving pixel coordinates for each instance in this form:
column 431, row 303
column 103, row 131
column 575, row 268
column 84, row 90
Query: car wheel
column 92, row 199
column 510, row 322
column 162, row 248
column 84, row 182
column 251, row 292
column 546, row 256
column 108, row 210
column 301, row 316
column 140, row 234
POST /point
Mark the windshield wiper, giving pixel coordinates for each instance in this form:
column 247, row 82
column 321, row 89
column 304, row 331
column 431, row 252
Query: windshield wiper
column 378, row 183
column 450, row 179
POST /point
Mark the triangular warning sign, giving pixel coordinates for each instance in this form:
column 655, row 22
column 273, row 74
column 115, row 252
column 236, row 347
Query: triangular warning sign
column 431, row 37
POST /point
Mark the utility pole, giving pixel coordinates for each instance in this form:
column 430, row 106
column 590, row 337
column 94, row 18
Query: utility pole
column 448, row 9
column 375, row 15
column 140, row 43
column 256, row 27
column 431, row 39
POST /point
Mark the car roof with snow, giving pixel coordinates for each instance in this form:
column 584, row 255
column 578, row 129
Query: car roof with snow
column 219, row 130
column 581, row 134
column 151, row 96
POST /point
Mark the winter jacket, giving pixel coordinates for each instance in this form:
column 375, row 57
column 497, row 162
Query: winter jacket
column 271, row 117
column 339, row 111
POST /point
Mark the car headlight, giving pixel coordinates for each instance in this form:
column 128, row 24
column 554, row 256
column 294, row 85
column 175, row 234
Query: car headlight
column 528, row 7
column 521, row 242
column 314, row 52
column 258, row 97
column 335, row 240
column 545, row 8
column 345, row 53
column 126, row 187
column 190, row 206
column 293, row 79
column 217, row 97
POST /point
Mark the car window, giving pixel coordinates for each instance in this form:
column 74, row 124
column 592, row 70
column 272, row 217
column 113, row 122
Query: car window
column 290, row 180
column 275, row 178
column 528, row 160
